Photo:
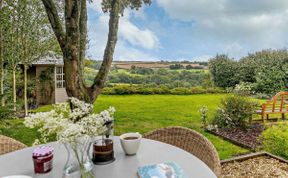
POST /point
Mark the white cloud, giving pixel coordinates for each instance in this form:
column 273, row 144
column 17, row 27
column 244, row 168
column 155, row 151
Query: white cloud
column 135, row 36
column 240, row 25
column 131, row 38
column 125, row 53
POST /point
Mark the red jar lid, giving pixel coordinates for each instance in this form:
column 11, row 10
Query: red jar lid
column 42, row 151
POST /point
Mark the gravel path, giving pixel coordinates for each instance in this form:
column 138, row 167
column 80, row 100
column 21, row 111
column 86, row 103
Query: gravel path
column 260, row 167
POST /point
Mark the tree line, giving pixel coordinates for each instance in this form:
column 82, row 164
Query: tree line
column 264, row 72
column 169, row 78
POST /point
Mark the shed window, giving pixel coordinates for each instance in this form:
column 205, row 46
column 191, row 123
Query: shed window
column 60, row 79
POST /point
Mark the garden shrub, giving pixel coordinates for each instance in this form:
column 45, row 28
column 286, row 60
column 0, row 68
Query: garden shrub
column 161, row 90
column 108, row 91
column 275, row 140
column 215, row 90
column 244, row 88
column 180, row 91
column 262, row 96
column 147, row 90
column 198, row 90
column 234, row 111
column 6, row 112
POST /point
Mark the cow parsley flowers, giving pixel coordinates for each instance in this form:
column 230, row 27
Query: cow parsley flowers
column 69, row 121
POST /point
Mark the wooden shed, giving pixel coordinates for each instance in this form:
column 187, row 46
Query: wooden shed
column 48, row 74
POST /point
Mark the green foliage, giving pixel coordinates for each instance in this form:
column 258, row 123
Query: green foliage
column 150, row 90
column 224, row 71
column 107, row 5
column 92, row 64
column 272, row 71
column 46, row 82
column 15, row 128
column 275, row 140
column 176, row 66
column 46, row 75
column 171, row 79
column 266, row 71
column 141, row 70
column 234, row 111
column 244, row 88
column 6, row 112
column 203, row 114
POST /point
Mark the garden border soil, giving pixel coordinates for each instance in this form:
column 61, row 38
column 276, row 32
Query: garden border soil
column 230, row 140
column 241, row 137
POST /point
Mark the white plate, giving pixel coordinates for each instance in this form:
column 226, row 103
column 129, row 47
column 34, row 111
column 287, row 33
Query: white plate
column 17, row 176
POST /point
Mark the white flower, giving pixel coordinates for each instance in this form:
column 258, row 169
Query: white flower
column 69, row 124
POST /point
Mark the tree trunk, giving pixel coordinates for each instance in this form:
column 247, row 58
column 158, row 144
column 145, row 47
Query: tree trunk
column 73, row 52
column 101, row 77
column 1, row 66
column 25, row 91
column 14, row 87
column 73, row 45
column 83, row 33
column 2, row 82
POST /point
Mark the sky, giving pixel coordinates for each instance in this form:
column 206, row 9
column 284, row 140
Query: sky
column 193, row 30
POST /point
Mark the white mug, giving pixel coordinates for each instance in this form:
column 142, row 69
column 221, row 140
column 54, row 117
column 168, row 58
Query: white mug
column 130, row 146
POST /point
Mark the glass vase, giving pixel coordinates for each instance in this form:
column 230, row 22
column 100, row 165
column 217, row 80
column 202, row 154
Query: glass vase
column 78, row 164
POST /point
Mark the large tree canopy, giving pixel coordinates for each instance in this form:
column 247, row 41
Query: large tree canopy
column 223, row 71
column 72, row 38
column 265, row 71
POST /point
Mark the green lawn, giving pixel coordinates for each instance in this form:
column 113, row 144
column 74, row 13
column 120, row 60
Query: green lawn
column 143, row 113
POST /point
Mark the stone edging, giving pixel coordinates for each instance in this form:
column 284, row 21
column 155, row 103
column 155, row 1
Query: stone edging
column 253, row 155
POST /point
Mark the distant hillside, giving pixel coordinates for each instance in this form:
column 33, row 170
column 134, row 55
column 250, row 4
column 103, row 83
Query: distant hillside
column 143, row 64
column 153, row 65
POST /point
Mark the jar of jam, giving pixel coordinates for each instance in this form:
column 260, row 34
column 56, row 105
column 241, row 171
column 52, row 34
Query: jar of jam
column 43, row 159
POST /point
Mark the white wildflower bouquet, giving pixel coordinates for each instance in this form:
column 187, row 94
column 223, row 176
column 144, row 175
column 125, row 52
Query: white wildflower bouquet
column 68, row 121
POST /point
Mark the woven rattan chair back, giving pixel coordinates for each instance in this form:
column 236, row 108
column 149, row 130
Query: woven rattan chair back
column 8, row 144
column 191, row 141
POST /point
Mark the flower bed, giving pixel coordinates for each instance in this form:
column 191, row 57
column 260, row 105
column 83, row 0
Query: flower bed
column 246, row 138
column 257, row 165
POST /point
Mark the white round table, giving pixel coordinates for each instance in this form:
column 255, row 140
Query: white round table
column 150, row 152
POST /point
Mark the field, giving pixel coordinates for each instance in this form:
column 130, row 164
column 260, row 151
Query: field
column 128, row 65
column 143, row 113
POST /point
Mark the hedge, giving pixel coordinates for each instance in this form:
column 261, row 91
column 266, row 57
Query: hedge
column 132, row 89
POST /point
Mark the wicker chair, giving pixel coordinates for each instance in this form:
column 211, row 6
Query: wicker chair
column 191, row 141
column 8, row 144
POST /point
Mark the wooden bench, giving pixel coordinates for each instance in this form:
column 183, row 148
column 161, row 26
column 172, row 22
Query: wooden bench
column 278, row 104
